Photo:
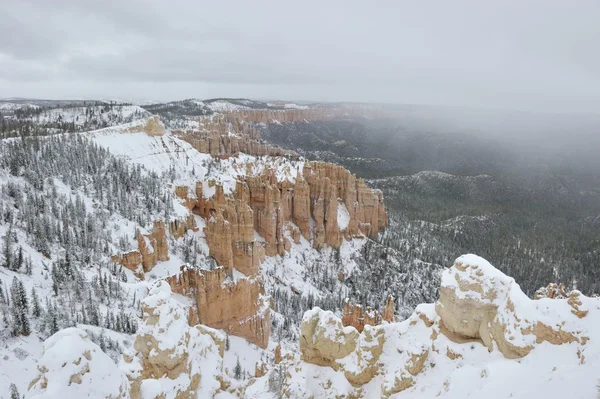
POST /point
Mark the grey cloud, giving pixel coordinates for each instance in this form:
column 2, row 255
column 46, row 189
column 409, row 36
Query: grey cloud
column 510, row 54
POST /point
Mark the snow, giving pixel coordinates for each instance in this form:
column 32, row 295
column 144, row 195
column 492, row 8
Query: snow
column 548, row 371
column 161, row 153
column 494, row 282
column 225, row 106
column 343, row 216
column 288, row 105
column 69, row 354
column 77, row 115
column 4, row 106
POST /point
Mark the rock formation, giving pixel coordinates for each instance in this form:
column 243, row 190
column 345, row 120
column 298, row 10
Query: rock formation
column 236, row 307
column 354, row 315
column 222, row 136
column 481, row 303
column 477, row 304
column 552, row 291
column 72, row 366
column 152, row 127
column 179, row 227
column 152, row 248
column 170, row 359
column 287, row 115
column 277, row 358
column 338, row 204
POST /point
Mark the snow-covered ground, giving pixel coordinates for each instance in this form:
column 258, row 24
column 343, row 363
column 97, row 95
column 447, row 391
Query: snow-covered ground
column 165, row 154
column 548, row 372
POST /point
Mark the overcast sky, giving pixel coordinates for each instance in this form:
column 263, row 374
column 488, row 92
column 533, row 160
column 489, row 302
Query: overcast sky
column 522, row 54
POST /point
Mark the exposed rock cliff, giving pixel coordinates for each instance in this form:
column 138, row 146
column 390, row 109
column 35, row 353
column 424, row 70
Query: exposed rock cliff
column 354, row 315
column 152, row 127
column 152, row 248
column 236, row 307
column 338, row 204
column 222, row 136
column 179, row 227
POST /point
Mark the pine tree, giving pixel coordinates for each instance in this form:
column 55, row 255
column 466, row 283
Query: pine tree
column 227, row 344
column 14, row 392
column 20, row 308
column 36, row 309
column 28, row 267
column 237, row 371
column 19, row 262
column 7, row 249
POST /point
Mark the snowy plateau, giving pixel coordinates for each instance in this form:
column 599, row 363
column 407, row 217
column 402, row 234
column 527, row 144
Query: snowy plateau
column 183, row 257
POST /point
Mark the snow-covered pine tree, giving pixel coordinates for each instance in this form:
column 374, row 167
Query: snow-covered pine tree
column 237, row 370
column 36, row 309
column 20, row 308
column 14, row 392
column 7, row 247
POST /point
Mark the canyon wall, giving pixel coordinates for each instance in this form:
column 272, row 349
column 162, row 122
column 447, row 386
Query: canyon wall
column 236, row 307
column 222, row 136
column 338, row 204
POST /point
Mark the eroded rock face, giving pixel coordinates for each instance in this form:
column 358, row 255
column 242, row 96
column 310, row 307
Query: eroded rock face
column 552, row 291
column 359, row 356
column 213, row 137
column 152, row 248
column 324, row 339
column 179, row 227
column 72, row 366
column 238, row 308
column 170, row 359
column 358, row 317
column 152, row 127
column 324, row 204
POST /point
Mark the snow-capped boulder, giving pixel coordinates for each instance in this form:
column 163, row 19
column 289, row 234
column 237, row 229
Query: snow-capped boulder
column 394, row 353
column 479, row 302
column 170, row 359
column 72, row 366
column 324, row 339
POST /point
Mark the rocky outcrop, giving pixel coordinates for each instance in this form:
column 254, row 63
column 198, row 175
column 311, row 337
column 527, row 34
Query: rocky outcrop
column 72, row 366
column 152, row 248
column 230, row 226
column 152, row 127
column 478, row 304
column 324, row 339
column 171, row 359
column 179, row 227
column 552, row 291
column 236, row 307
column 358, row 317
column 277, row 358
column 326, row 342
column 389, row 310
